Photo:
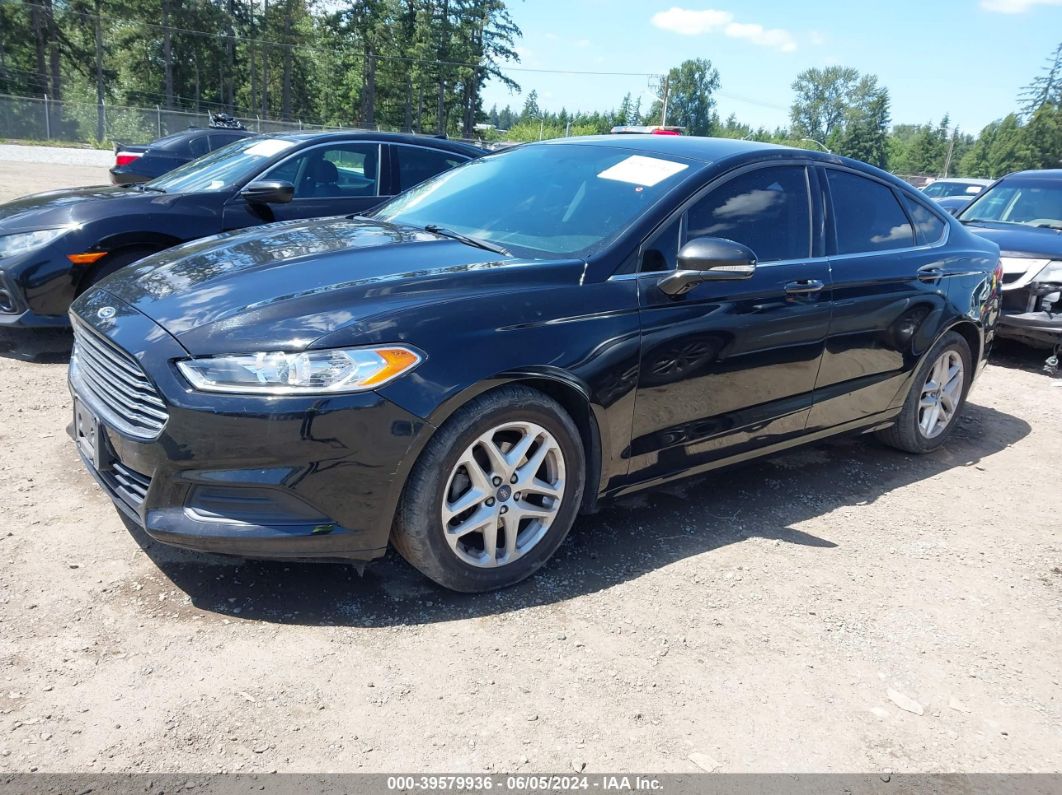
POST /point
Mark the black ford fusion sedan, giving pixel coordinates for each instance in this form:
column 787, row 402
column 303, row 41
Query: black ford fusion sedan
column 514, row 340
column 53, row 246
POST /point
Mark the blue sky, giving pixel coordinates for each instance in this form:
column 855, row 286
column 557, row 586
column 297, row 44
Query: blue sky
column 968, row 58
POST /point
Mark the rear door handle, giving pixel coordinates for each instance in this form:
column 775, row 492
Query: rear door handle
column 804, row 287
column 930, row 273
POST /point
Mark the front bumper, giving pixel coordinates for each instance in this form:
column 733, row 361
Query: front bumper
column 1037, row 328
column 36, row 289
column 1032, row 314
column 262, row 477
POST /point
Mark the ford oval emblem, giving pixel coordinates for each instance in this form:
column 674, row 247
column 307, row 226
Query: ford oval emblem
column 106, row 313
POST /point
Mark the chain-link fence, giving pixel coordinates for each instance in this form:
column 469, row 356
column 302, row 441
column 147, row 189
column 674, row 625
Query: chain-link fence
column 43, row 119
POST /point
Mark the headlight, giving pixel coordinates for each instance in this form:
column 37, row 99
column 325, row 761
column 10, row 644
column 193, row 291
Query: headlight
column 1022, row 264
column 1051, row 273
column 27, row 241
column 310, row 372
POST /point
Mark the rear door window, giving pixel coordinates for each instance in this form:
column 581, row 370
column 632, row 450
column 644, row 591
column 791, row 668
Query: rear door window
column 867, row 215
column 198, row 145
column 416, row 164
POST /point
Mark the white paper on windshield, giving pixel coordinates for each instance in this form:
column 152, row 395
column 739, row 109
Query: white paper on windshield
column 268, row 147
column 639, row 170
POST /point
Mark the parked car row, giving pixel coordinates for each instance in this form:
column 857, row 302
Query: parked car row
column 461, row 370
column 54, row 246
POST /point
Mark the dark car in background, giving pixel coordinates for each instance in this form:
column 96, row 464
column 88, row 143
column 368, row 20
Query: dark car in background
column 954, row 193
column 134, row 164
column 1022, row 214
column 54, row 245
column 944, row 187
column 516, row 339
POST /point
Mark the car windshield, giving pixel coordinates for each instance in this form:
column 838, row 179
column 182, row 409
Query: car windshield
column 223, row 168
column 941, row 189
column 557, row 200
column 1019, row 201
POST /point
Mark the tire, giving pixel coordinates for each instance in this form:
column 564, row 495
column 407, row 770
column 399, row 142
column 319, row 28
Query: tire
column 110, row 264
column 910, row 433
column 430, row 519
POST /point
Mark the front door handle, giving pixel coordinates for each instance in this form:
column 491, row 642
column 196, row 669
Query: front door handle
column 804, row 287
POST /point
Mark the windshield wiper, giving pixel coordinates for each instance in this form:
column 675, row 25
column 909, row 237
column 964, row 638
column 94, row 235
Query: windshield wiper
column 143, row 187
column 470, row 241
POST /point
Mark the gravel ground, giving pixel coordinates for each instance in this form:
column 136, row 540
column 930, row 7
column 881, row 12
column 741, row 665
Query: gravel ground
column 57, row 155
column 840, row 608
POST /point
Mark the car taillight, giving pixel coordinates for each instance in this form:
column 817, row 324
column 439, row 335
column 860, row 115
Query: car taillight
column 999, row 273
column 125, row 158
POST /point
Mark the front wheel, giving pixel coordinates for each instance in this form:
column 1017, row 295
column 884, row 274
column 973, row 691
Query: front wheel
column 937, row 396
column 494, row 493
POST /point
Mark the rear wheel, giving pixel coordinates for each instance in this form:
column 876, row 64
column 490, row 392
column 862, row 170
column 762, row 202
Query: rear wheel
column 494, row 493
column 937, row 396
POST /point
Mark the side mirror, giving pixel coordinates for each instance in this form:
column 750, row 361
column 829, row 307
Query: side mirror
column 708, row 259
column 268, row 191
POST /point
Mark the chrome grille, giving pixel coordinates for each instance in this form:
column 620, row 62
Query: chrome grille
column 115, row 386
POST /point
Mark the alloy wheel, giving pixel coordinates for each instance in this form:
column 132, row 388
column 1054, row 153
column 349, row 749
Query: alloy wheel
column 503, row 494
column 941, row 394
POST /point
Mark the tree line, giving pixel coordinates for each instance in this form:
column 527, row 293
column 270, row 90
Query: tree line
column 838, row 109
column 416, row 65
column 421, row 65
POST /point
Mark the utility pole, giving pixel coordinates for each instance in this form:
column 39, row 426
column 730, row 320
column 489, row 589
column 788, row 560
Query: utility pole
column 663, row 109
column 100, row 94
column 947, row 160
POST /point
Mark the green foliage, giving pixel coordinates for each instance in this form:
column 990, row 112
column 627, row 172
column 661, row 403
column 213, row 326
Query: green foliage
column 396, row 64
column 1010, row 145
column 1046, row 88
column 823, row 99
column 421, row 65
column 844, row 111
column 690, row 98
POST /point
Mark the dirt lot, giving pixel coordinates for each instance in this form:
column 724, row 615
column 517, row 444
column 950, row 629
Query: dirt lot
column 841, row 608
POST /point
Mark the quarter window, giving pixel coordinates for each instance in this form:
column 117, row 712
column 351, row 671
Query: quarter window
column 767, row 210
column 661, row 253
column 867, row 216
column 928, row 226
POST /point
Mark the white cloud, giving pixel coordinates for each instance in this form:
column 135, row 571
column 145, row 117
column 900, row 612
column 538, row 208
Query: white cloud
column 1016, row 6
column 689, row 22
column 758, row 34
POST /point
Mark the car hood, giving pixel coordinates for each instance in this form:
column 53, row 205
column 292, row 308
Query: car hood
column 60, row 207
column 1021, row 241
column 288, row 285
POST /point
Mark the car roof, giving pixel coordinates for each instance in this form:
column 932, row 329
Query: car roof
column 395, row 138
column 962, row 181
column 691, row 147
column 1046, row 174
